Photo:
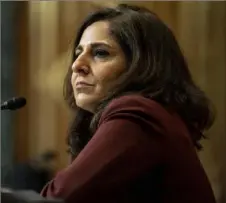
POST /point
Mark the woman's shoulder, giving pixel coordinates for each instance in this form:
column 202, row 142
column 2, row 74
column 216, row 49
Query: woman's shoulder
column 147, row 113
column 134, row 104
column 132, row 100
column 137, row 108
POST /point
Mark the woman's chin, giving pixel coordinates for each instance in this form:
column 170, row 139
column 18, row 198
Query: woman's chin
column 86, row 102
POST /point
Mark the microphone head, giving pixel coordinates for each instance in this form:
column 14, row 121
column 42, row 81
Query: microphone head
column 14, row 103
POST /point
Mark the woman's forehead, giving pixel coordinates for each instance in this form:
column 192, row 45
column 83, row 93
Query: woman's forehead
column 97, row 32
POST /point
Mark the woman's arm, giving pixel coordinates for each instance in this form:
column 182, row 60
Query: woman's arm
column 119, row 152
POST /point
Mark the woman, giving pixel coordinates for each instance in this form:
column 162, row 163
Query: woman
column 139, row 115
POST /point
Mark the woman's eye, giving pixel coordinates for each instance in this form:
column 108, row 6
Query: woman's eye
column 100, row 53
column 77, row 54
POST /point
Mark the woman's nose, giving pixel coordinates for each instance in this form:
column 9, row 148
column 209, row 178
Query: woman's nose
column 81, row 65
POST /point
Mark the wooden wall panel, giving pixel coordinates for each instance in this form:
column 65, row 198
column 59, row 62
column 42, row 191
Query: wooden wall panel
column 22, row 83
column 43, row 24
column 202, row 36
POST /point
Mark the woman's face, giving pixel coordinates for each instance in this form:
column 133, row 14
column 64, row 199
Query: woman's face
column 99, row 62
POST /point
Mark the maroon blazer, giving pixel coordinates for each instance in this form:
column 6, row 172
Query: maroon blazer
column 140, row 153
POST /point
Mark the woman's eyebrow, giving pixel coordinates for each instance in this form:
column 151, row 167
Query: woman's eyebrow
column 98, row 44
column 95, row 45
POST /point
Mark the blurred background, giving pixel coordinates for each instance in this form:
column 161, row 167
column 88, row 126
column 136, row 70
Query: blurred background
column 36, row 39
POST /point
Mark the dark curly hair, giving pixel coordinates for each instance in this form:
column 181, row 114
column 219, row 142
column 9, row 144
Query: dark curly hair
column 156, row 69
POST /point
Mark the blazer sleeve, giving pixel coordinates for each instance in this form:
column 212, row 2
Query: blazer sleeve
column 119, row 152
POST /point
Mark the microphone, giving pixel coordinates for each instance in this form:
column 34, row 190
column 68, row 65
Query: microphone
column 13, row 104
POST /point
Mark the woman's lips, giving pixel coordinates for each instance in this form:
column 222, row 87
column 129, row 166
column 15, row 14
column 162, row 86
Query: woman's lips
column 83, row 84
